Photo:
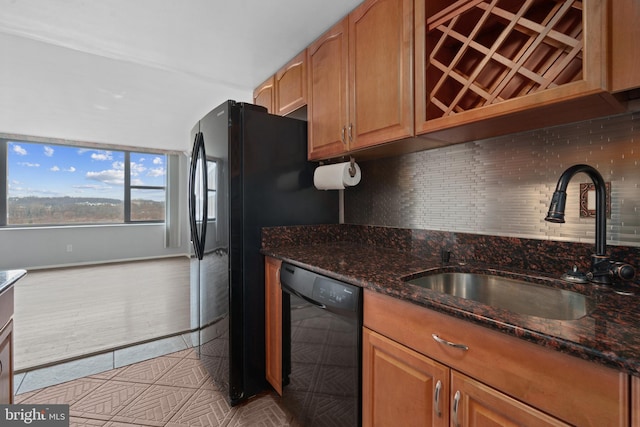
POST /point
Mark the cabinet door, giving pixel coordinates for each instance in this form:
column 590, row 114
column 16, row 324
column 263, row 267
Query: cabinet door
column 273, row 323
column 474, row 404
column 264, row 94
column 291, row 85
column 327, row 93
column 380, row 72
column 625, row 44
column 401, row 387
column 6, row 364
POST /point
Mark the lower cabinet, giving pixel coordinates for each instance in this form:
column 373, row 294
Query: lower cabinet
column 635, row 401
column 6, row 364
column 425, row 368
column 273, row 323
column 404, row 387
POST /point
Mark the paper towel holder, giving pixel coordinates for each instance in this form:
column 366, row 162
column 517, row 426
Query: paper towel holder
column 352, row 167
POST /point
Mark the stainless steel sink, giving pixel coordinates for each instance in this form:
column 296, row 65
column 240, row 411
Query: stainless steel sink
column 510, row 294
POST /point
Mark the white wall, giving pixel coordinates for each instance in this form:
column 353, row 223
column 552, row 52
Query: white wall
column 54, row 92
column 47, row 247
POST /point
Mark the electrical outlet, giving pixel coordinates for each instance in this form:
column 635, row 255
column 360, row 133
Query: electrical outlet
column 69, row 247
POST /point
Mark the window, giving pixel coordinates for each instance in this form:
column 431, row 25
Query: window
column 146, row 187
column 52, row 184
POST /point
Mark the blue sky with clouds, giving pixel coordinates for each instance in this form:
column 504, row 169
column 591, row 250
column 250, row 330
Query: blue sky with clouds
column 47, row 170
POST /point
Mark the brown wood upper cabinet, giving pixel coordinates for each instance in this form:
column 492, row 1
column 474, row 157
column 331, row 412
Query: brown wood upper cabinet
column 286, row 91
column 265, row 96
column 291, row 85
column 625, row 44
column 328, row 108
column 487, row 68
column 360, row 80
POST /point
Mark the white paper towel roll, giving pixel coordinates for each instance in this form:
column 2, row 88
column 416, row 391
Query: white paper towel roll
column 335, row 177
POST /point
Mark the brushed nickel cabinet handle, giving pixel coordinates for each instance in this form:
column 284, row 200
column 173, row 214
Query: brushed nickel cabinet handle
column 456, row 407
column 350, row 132
column 449, row 343
column 344, row 141
column 436, row 398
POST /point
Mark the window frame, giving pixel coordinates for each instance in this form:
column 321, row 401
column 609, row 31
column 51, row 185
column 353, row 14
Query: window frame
column 127, row 187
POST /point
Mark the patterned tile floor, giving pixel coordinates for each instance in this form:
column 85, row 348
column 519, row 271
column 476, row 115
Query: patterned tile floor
column 172, row 390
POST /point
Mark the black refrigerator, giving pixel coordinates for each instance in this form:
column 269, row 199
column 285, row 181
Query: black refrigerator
column 248, row 170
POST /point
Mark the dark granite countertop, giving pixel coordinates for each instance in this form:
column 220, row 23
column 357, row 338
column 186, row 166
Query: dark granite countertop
column 9, row 277
column 609, row 335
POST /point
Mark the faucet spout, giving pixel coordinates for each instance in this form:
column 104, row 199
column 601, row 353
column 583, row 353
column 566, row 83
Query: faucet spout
column 558, row 201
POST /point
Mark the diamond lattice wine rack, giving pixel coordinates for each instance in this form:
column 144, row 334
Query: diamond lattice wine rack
column 485, row 52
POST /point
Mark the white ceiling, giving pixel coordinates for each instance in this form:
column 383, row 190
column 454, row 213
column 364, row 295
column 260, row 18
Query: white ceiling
column 142, row 72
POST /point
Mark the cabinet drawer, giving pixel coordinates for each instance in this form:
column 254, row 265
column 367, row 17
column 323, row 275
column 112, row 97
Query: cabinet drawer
column 569, row 388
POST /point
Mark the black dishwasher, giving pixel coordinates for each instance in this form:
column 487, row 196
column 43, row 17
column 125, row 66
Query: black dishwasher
column 322, row 348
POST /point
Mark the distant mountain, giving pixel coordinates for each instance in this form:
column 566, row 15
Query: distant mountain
column 79, row 210
column 56, row 201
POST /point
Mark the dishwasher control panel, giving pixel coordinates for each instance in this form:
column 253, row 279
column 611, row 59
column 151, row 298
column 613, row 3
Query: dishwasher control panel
column 335, row 294
column 321, row 290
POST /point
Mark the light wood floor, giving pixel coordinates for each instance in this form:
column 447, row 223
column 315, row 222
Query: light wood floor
column 66, row 313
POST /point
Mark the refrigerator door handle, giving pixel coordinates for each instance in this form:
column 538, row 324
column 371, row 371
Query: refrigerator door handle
column 205, row 197
column 192, row 196
column 198, row 235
